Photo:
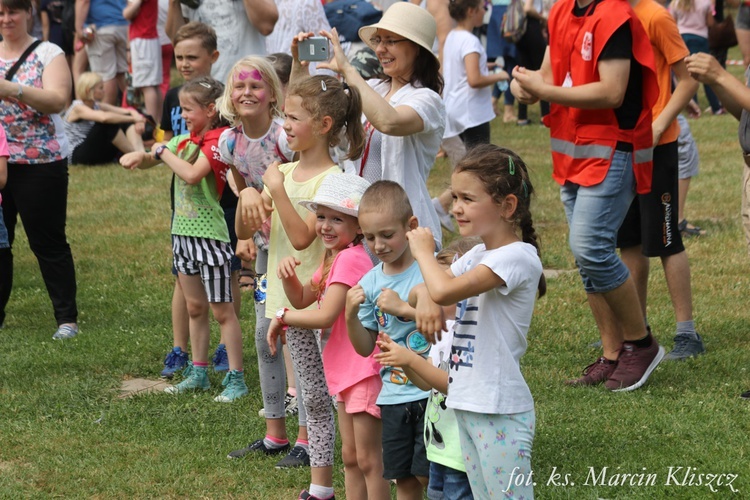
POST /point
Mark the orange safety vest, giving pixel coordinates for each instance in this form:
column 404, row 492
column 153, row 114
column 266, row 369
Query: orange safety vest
column 583, row 140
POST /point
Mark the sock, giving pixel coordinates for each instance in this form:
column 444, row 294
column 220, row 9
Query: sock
column 292, row 391
column 687, row 328
column 274, row 443
column 644, row 342
column 321, row 492
column 302, row 443
column 200, row 365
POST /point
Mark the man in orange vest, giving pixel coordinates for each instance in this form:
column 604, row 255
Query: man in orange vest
column 598, row 74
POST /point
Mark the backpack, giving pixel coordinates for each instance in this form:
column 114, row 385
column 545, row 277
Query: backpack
column 347, row 16
column 513, row 26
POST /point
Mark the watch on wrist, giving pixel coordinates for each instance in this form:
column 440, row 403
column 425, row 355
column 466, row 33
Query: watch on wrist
column 280, row 316
column 159, row 151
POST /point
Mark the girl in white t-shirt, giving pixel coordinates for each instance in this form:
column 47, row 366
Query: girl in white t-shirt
column 495, row 284
column 468, row 83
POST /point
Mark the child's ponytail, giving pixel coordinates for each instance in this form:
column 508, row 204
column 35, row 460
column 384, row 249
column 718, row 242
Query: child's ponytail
column 323, row 96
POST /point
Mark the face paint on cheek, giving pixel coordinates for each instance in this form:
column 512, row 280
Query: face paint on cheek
column 261, row 95
column 236, row 94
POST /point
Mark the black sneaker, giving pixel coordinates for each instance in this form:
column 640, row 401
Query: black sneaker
column 258, row 447
column 685, row 346
column 298, row 457
column 745, row 395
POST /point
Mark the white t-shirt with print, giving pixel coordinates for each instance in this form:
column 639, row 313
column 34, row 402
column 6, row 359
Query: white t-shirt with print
column 490, row 332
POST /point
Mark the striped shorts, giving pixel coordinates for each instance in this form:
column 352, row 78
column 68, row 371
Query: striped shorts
column 209, row 258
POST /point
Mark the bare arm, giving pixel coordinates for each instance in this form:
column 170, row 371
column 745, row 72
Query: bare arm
column 132, row 7
column 53, row 95
column 683, row 92
column 301, row 232
column 362, row 339
column 82, row 12
column 444, row 288
column 190, row 173
column 3, row 171
column 421, row 371
column 175, row 21
column 732, row 93
column 299, row 295
column 262, row 14
column 332, row 305
column 474, row 76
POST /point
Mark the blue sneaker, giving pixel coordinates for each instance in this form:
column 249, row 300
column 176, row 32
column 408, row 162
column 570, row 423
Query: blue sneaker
column 234, row 381
column 65, row 331
column 174, row 361
column 220, row 359
column 197, row 378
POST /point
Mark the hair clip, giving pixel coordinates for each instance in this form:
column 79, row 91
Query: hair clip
column 525, row 189
column 511, row 166
column 323, row 85
column 204, row 84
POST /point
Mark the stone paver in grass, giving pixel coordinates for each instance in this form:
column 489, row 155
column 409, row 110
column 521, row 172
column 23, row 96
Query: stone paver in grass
column 554, row 273
column 135, row 386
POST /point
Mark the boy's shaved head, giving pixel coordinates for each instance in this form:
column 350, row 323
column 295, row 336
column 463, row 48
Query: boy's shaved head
column 387, row 196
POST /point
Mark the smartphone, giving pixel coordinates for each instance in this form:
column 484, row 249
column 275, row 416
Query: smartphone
column 313, row 49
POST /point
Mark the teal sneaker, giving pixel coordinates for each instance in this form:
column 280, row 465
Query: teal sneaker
column 196, row 377
column 234, row 381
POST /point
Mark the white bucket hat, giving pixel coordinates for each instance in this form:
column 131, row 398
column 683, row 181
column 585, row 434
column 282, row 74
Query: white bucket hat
column 340, row 192
column 408, row 20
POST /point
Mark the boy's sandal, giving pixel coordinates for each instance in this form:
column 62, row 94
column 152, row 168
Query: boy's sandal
column 690, row 230
column 247, row 284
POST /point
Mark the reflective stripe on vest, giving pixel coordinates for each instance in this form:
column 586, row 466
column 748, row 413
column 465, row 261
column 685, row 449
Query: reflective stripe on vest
column 595, row 151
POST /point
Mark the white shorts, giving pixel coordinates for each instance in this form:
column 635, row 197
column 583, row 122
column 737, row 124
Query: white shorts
column 145, row 59
column 108, row 52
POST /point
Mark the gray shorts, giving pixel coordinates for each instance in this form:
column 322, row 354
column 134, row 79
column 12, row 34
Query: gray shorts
column 687, row 151
column 743, row 18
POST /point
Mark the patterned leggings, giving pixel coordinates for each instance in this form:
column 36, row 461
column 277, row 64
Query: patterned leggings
column 270, row 367
column 308, row 364
column 497, row 453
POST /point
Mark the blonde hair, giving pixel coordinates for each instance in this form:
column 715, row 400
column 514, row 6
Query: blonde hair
column 267, row 73
column 86, row 83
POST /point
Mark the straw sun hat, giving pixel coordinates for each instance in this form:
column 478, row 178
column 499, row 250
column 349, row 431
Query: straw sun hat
column 408, row 20
column 340, row 192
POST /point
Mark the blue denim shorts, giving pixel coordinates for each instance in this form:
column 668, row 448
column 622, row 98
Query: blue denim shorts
column 595, row 213
column 448, row 484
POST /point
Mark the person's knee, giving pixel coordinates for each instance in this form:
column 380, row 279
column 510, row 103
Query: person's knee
column 196, row 308
column 349, row 456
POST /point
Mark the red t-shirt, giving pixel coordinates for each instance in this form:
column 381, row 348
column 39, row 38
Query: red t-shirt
column 143, row 24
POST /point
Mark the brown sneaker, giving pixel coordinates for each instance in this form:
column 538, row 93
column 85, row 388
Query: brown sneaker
column 634, row 366
column 596, row 373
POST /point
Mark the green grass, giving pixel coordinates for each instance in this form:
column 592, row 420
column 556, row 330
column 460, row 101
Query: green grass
column 64, row 432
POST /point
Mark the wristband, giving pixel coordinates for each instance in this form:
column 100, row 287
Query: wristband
column 159, row 151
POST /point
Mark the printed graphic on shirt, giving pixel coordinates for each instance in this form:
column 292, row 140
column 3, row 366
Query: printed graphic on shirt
column 435, row 408
column 464, row 338
column 586, row 47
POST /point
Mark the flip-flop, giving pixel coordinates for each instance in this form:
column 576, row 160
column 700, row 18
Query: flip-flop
column 689, row 230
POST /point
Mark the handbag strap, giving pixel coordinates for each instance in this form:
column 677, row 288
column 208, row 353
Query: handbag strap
column 22, row 59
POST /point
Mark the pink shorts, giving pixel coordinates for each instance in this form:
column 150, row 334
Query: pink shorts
column 361, row 396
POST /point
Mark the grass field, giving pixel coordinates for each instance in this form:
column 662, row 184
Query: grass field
column 65, row 433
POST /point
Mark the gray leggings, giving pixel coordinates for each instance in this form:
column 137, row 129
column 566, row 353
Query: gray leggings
column 270, row 367
column 321, row 431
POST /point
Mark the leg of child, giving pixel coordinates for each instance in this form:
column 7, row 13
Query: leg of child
column 354, row 479
column 180, row 318
column 230, row 332
column 197, row 309
column 291, row 383
column 270, row 367
column 152, row 100
column 492, row 443
column 369, row 446
column 305, row 352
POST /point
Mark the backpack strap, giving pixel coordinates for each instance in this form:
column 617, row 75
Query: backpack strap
column 12, row 71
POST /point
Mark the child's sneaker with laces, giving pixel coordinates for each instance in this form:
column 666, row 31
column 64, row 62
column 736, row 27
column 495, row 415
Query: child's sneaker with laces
column 291, row 407
column 258, row 447
column 175, row 360
column 66, row 331
column 234, row 381
column 686, row 346
column 297, row 457
column 220, row 359
column 196, row 378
